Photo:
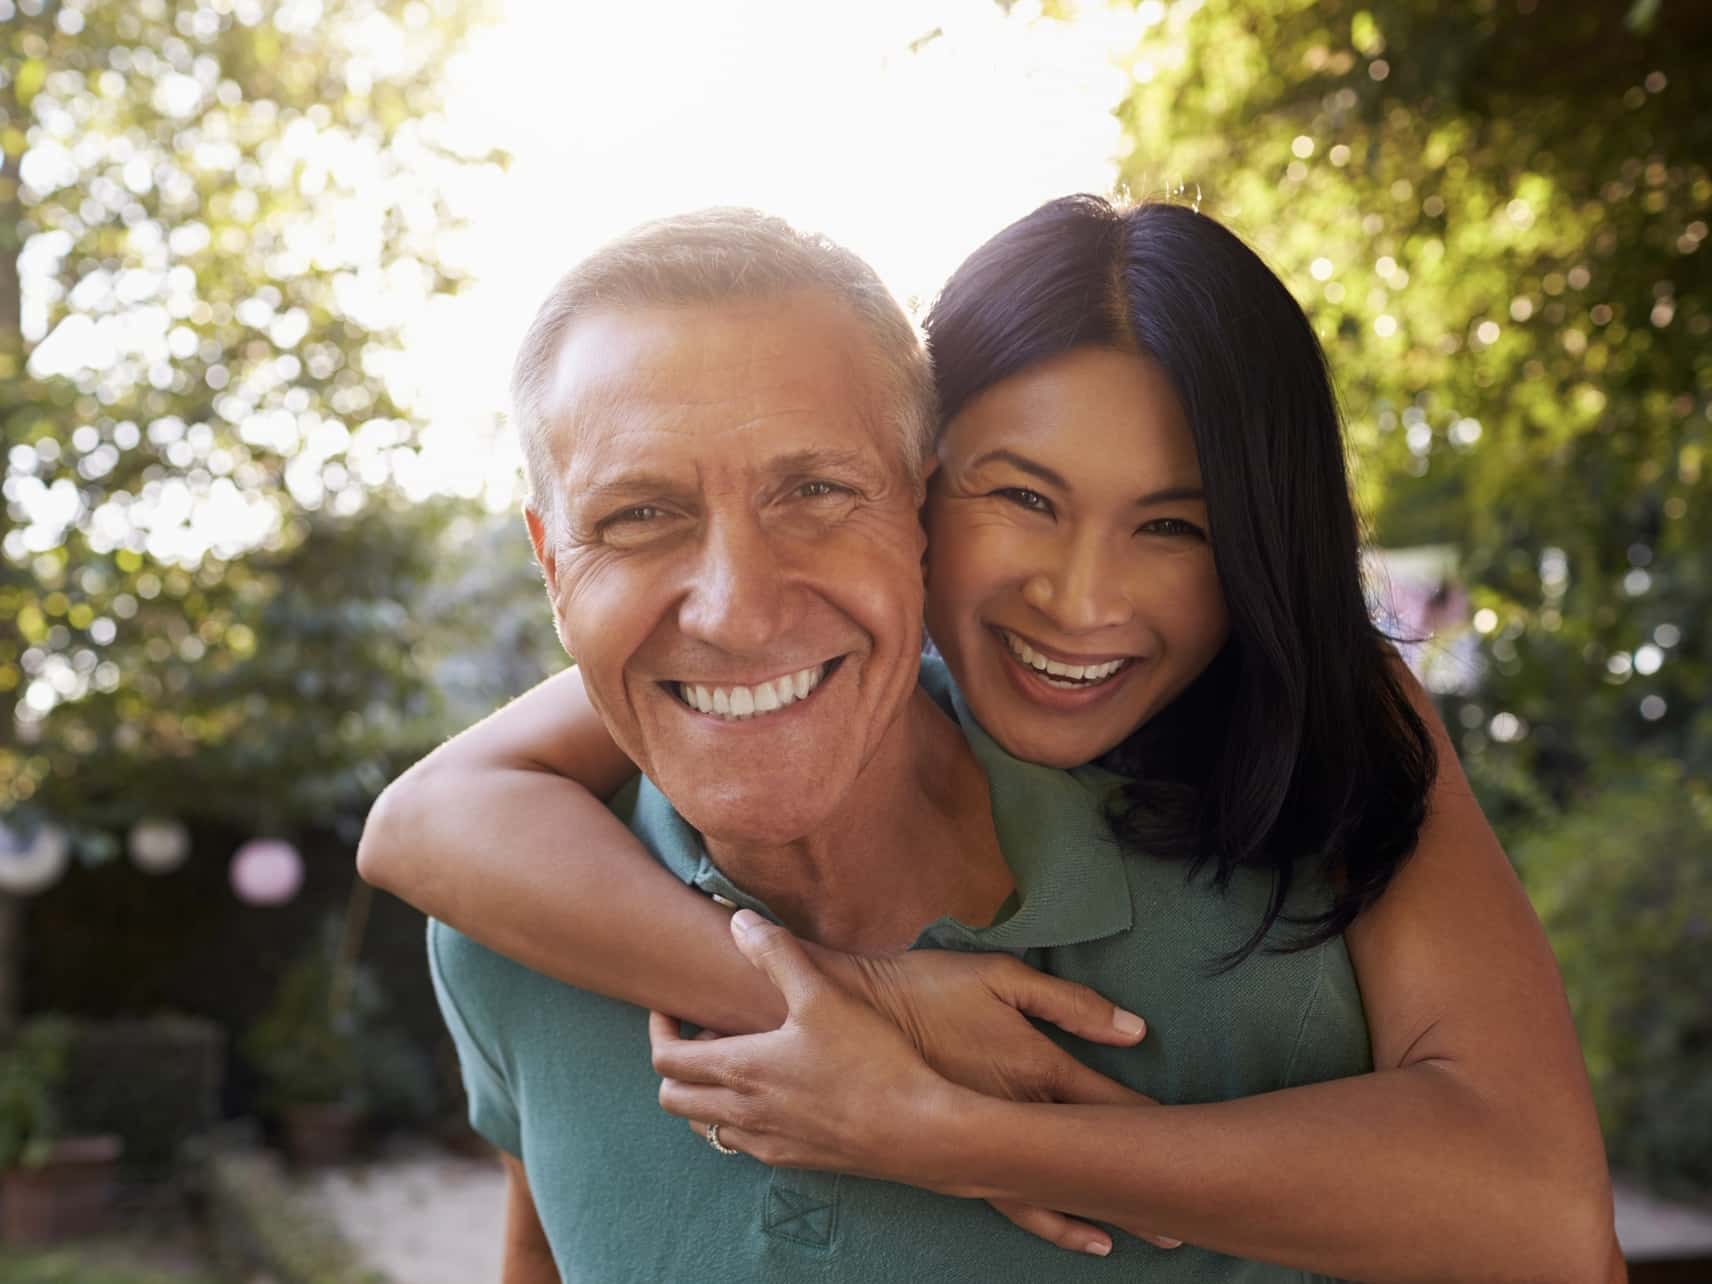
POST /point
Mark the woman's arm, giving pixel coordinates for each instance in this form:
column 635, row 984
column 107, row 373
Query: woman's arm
column 1470, row 1153
column 501, row 832
column 492, row 834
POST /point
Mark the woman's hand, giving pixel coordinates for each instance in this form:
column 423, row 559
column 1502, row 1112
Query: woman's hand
column 840, row 1087
column 967, row 1015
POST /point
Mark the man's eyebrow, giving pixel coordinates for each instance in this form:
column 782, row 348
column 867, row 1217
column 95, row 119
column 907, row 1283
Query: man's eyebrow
column 820, row 459
column 1164, row 495
column 624, row 485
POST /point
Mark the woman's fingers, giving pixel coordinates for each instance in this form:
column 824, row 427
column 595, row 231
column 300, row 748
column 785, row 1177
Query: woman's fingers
column 700, row 1101
column 1056, row 1228
column 1073, row 1008
column 701, row 1059
column 780, row 955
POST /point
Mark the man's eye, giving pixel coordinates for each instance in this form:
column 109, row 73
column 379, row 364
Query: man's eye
column 1022, row 497
column 820, row 490
column 638, row 515
column 1172, row 526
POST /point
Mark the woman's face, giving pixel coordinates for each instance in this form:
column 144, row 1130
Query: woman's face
column 1071, row 584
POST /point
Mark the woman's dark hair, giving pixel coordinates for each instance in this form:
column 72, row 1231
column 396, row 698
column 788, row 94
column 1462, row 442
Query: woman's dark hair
column 1298, row 742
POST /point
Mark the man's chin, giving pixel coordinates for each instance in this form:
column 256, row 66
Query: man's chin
column 771, row 813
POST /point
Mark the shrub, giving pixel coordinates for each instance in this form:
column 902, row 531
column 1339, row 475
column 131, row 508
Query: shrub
column 32, row 1069
column 1623, row 883
column 155, row 1082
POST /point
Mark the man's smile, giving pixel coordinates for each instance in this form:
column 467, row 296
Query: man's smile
column 736, row 703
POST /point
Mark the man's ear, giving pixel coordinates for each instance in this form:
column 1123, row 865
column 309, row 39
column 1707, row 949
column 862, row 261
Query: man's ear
column 929, row 467
column 547, row 557
column 544, row 552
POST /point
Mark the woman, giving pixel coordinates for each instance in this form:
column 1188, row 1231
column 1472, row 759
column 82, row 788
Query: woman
column 1142, row 551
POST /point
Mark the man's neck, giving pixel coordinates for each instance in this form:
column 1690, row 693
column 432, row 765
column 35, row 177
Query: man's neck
column 913, row 841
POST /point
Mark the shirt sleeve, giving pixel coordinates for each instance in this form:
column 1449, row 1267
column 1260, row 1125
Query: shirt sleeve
column 493, row 1106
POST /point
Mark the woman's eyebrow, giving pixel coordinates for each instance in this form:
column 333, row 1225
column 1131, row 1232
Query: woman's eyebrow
column 1022, row 464
column 1164, row 495
column 1171, row 494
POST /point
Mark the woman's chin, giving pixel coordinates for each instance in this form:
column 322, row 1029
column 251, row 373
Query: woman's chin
column 1023, row 738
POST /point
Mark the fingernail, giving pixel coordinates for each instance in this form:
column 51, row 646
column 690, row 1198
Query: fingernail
column 745, row 921
column 1165, row 1242
column 1099, row 1248
column 1128, row 1022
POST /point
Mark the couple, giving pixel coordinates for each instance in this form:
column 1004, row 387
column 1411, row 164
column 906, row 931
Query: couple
column 1166, row 769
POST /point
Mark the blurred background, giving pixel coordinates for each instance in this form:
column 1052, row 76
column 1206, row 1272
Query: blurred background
column 262, row 267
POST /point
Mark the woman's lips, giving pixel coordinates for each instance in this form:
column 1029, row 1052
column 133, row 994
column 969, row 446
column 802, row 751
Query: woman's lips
column 1060, row 669
column 1061, row 692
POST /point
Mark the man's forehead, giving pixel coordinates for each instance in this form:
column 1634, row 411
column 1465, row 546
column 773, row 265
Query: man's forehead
column 795, row 361
column 694, row 351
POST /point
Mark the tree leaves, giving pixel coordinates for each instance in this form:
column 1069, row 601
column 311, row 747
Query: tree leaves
column 209, row 568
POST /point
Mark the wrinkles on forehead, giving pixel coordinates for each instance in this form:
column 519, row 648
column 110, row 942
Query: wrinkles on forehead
column 635, row 383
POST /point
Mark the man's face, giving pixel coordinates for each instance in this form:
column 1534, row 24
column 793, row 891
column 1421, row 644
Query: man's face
column 737, row 561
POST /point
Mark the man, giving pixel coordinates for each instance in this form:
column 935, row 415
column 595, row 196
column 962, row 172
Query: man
column 726, row 425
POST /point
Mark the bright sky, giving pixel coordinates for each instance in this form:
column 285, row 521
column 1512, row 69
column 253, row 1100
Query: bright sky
column 908, row 130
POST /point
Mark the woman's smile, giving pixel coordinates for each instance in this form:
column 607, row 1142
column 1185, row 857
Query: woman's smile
column 1058, row 682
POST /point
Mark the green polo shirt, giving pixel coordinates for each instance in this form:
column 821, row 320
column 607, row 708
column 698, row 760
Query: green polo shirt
column 561, row 1078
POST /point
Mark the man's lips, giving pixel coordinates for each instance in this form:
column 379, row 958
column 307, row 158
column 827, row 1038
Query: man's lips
column 737, row 702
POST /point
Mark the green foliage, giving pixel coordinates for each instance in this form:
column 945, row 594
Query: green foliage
column 304, row 1045
column 31, row 1071
column 213, row 218
column 1624, row 886
column 264, row 1225
column 76, row 1266
column 168, row 1093
column 325, row 1040
column 1496, row 216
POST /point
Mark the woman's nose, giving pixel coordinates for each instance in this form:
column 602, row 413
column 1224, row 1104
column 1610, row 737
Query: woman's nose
column 1081, row 594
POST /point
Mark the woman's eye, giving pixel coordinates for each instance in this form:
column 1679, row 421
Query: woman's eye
column 1022, row 497
column 1175, row 526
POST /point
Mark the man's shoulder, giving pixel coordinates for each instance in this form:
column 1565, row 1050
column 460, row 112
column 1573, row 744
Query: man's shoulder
column 480, row 983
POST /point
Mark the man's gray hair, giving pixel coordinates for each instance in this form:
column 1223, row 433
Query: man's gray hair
column 709, row 256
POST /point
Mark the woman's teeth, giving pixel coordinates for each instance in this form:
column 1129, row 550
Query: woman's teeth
column 1057, row 674
column 737, row 703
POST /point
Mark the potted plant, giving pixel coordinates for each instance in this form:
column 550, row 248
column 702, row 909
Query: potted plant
column 306, row 1049
column 51, row 1186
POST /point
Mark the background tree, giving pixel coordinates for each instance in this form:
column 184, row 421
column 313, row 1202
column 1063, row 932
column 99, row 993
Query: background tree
column 216, row 214
column 1496, row 215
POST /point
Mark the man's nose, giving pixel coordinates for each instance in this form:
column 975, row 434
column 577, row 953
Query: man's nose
column 1080, row 591
column 736, row 600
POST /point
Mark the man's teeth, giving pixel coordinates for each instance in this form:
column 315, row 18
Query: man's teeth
column 737, row 703
column 1068, row 673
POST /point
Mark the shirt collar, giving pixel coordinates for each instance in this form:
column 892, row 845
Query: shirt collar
column 1068, row 866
